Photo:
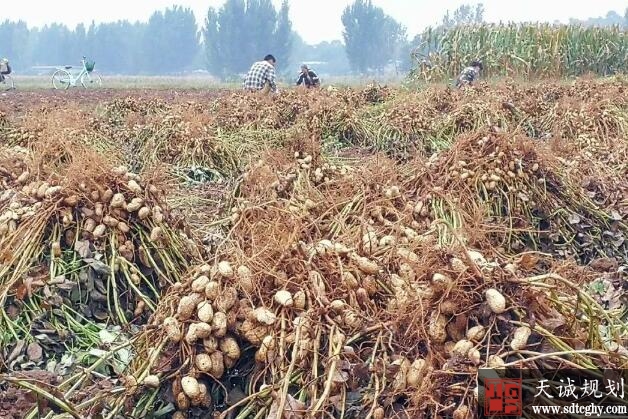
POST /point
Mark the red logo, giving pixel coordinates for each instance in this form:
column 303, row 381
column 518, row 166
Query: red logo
column 502, row 397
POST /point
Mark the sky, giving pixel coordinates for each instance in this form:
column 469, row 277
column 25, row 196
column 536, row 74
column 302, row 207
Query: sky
column 314, row 20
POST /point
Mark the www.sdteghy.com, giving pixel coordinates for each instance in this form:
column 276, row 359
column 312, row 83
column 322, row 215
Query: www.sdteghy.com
column 588, row 410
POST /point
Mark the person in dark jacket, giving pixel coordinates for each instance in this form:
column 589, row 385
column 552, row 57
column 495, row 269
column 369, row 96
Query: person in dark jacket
column 469, row 74
column 5, row 68
column 308, row 77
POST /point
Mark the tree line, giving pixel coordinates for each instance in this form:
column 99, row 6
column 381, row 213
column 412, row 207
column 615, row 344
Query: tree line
column 168, row 42
column 228, row 41
column 612, row 18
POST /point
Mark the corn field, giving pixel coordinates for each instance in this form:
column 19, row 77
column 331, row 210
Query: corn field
column 521, row 50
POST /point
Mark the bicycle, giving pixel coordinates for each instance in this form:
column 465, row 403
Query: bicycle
column 5, row 78
column 63, row 79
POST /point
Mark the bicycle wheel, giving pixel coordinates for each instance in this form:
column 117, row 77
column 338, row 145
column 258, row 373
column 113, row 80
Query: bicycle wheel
column 61, row 79
column 91, row 81
column 8, row 83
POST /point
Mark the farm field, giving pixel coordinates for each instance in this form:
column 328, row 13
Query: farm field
column 351, row 252
column 43, row 82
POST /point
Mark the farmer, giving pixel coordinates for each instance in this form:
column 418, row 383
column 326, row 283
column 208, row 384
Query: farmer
column 261, row 76
column 5, row 68
column 308, row 77
column 469, row 74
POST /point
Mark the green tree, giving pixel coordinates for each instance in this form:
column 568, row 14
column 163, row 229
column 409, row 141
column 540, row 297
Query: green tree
column 116, row 46
column 79, row 41
column 224, row 38
column 260, row 21
column 211, row 43
column 243, row 31
column 153, row 40
column 371, row 37
column 170, row 41
column 612, row 18
column 396, row 42
column 464, row 15
column 284, row 37
column 183, row 43
column 14, row 36
column 52, row 45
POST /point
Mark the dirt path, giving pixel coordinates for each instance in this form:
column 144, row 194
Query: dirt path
column 15, row 100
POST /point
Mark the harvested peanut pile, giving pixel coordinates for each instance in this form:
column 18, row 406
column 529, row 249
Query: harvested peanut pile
column 340, row 253
column 335, row 293
column 85, row 247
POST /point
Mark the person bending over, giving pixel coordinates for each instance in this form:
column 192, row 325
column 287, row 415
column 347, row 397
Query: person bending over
column 261, row 76
column 469, row 74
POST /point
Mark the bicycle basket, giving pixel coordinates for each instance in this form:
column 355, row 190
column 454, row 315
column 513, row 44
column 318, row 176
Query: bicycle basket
column 89, row 66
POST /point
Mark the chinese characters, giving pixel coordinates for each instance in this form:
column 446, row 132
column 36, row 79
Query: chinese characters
column 590, row 388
